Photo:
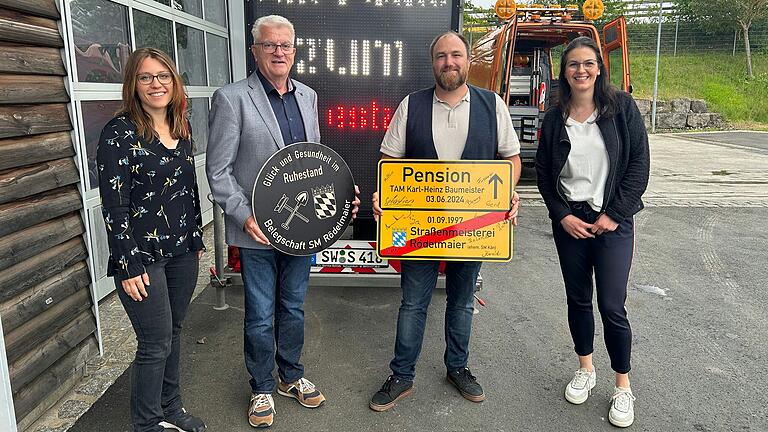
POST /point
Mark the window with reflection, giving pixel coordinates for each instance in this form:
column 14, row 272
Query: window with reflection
column 192, row 7
column 153, row 31
column 218, row 60
column 198, row 120
column 191, row 49
column 216, row 12
column 95, row 115
column 102, row 41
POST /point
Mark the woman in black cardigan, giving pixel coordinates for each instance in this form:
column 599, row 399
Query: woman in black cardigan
column 592, row 168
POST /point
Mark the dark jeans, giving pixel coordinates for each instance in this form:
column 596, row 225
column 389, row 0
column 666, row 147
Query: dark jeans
column 609, row 257
column 157, row 321
column 275, row 285
column 417, row 280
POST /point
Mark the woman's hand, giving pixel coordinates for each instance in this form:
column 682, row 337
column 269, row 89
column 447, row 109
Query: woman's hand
column 576, row 227
column 200, row 254
column 135, row 287
column 604, row 223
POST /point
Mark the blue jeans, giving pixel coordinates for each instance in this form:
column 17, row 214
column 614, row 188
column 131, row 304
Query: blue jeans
column 157, row 321
column 275, row 285
column 418, row 279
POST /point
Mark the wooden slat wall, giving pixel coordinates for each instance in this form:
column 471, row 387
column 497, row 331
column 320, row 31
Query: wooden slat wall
column 45, row 302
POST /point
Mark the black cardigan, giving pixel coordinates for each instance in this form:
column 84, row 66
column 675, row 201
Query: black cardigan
column 626, row 141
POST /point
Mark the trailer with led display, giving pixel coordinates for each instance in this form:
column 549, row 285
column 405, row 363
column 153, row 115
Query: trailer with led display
column 362, row 57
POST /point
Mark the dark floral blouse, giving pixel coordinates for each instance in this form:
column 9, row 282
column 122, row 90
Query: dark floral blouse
column 149, row 198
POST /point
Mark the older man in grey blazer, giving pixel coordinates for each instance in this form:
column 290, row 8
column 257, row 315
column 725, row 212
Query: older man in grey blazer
column 251, row 120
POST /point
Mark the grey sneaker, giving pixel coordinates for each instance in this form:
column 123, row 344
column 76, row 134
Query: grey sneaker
column 622, row 412
column 577, row 391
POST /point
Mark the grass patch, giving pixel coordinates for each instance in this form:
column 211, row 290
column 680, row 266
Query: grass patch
column 718, row 78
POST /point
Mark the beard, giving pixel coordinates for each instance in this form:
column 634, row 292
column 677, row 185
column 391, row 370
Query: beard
column 450, row 82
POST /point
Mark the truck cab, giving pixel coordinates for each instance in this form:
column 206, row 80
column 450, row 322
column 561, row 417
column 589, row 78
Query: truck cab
column 519, row 60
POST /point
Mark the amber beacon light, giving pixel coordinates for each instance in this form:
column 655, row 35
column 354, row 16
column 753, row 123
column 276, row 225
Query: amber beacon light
column 505, row 9
column 593, row 9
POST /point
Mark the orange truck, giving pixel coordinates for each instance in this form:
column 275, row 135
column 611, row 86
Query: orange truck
column 519, row 59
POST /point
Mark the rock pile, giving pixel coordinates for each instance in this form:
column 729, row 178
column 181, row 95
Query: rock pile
column 680, row 113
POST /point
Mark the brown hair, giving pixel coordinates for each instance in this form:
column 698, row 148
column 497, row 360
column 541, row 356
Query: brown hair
column 444, row 34
column 605, row 94
column 176, row 112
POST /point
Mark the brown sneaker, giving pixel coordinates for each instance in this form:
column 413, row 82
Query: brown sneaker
column 261, row 410
column 303, row 391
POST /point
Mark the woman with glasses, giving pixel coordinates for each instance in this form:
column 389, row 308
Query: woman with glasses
column 592, row 168
column 152, row 214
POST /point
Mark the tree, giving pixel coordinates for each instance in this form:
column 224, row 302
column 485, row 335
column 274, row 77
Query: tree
column 476, row 20
column 476, row 15
column 740, row 13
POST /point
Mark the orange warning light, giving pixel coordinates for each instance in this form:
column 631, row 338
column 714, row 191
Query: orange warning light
column 593, row 9
column 505, row 9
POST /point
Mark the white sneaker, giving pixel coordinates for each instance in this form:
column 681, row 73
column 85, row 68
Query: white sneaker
column 581, row 386
column 622, row 412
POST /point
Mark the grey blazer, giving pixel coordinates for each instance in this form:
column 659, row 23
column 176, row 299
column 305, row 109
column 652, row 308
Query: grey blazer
column 242, row 134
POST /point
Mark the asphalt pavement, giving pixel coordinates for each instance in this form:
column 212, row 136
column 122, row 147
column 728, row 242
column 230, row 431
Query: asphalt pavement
column 696, row 302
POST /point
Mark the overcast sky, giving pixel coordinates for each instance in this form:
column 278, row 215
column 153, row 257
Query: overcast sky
column 484, row 3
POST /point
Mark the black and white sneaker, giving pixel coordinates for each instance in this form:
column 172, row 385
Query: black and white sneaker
column 391, row 391
column 183, row 422
column 466, row 384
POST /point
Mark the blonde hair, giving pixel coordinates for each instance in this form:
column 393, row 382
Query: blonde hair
column 176, row 111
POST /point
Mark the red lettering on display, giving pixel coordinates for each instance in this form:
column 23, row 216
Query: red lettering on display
column 371, row 117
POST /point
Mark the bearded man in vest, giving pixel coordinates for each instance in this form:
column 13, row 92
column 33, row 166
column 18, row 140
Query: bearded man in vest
column 449, row 121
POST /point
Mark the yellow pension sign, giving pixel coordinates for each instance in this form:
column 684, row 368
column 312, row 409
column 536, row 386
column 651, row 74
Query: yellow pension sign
column 445, row 185
column 445, row 235
column 445, row 210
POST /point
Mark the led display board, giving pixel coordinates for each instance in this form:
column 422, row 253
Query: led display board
column 362, row 57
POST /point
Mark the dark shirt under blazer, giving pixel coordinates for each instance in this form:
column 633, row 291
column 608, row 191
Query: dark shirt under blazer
column 149, row 199
column 243, row 132
column 286, row 111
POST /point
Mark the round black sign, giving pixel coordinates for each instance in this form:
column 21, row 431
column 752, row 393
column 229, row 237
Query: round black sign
column 302, row 199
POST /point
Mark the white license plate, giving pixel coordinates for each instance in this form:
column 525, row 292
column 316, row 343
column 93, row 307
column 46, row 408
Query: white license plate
column 333, row 257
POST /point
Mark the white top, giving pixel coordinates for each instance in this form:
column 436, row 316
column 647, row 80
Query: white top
column 450, row 127
column 584, row 175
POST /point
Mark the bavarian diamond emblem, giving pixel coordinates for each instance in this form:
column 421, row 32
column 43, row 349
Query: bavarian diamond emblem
column 325, row 201
column 398, row 238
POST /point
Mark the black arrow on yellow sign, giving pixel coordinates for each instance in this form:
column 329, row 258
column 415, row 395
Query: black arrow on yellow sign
column 495, row 179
